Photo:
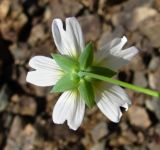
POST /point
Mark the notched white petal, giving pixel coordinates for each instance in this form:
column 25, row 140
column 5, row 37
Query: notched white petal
column 43, row 63
column 69, row 41
column 46, row 72
column 110, row 100
column 69, row 107
column 115, row 57
column 43, row 78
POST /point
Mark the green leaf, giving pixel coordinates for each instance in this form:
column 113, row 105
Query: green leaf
column 66, row 63
column 87, row 92
column 67, row 82
column 102, row 71
column 86, row 57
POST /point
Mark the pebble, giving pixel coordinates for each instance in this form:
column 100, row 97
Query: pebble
column 140, row 14
column 150, row 28
column 138, row 117
column 12, row 24
column 154, row 64
column 19, row 137
column 154, row 105
column 38, row 35
column 23, row 105
column 140, row 79
column 154, row 79
column 99, row 131
column 3, row 98
column 99, row 146
column 62, row 9
column 91, row 27
column 4, row 8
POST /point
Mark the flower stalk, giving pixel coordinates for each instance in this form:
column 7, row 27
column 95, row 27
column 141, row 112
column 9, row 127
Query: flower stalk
column 121, row 83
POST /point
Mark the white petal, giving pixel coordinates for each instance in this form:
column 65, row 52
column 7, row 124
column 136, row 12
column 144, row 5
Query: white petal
column 43, row 63
column 69, row 41
column 111, row 44
column 120, row 59
column 115, row 57
column 119, row 46
column 43, row 78
column 47, row 72
column 112, row 47
column 110, row 100
column 69, row 107
column 73, row 27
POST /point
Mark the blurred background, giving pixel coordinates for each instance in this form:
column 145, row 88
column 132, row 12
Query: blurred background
column 25, row 109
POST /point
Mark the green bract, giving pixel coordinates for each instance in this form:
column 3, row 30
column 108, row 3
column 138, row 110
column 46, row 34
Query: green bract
column 65, row 62
column 86, row 57
column 67, row 82
column 86, row 91
column 74, row 71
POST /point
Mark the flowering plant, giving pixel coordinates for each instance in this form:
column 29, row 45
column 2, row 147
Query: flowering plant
column 79, row 73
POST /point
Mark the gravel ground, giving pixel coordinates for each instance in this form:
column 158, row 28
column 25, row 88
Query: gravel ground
column 25, row 109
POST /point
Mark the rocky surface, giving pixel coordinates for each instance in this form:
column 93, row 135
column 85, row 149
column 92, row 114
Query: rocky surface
column 26, row 110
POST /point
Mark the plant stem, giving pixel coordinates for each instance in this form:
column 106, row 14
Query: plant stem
column 123, row 84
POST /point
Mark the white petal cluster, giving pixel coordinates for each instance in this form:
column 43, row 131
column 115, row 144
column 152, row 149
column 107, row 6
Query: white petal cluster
column 70, row 106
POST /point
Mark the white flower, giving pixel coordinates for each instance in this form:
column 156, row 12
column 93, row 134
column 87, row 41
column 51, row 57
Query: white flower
column 71, row 105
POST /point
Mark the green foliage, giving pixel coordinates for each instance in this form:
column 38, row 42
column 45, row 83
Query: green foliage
column 87, row 92
column 66, row 63
column 86, row 57
column 67, row 82
column 102, row 71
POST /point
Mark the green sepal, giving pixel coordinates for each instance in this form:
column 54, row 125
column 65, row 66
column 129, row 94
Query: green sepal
column 66, row 63
column 102, row 71
column 87, row 92
column 67, row 82
column 86, row 57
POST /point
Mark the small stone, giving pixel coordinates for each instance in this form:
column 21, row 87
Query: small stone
column 154, row 79
column 137, row 63
column 157, row 4
column 16, row 128
column 133, row 13
column 12, row 24
column 132, row 4
column 4, row 8
column 20, row 52
column 157, row 129
column 153, row 146
column 139, row 117
column 141, row 137
column 91, row 27
column 140, row 79
column 154, row 64
column 20, row 138
column 75, row 5
column 47, row 14
column 23, row 105
column 89, row 3
column 99, row 146
column 154, row 105
column 150, row 28
column 37, row 35
column 99, row 131
column 3, row 98
column 51, row 101
column 140, row 14
column 61, row 9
